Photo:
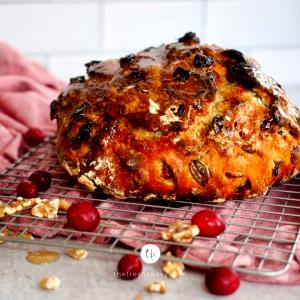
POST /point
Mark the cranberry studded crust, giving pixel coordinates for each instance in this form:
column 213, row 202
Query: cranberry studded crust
column 180, row 120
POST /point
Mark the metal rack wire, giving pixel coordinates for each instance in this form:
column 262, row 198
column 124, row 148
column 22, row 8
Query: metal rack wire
column 261, row 234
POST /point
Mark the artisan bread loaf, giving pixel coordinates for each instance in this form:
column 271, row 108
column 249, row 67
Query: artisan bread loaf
column 182, row 120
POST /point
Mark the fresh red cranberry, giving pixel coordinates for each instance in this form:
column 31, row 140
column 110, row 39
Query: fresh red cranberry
column 34, row 136
column 177, row 251
column 83, row 216
column 222, row 281
column 27, row 189
column 42, row 180
column 208, row 222
column 129, row 267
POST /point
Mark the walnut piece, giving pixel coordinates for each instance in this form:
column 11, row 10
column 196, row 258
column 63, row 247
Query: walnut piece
column 26, row 235
column 156, row 287
column 2, row 209
column 49, row 283
column 42, row 208
column 46, row 209
column 18, row 205
column 6, row 232
column 21, row 203
column 181, row 231
column 77, row 254
column 138, row 297
column 64, row 205
column 172, row 268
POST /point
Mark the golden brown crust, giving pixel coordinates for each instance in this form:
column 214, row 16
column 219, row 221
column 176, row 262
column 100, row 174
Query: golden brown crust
column 179, row 120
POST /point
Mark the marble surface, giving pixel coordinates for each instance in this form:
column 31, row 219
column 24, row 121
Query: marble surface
column 94, row 278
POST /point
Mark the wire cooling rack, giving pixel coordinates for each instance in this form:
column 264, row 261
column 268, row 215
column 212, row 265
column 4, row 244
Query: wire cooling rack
column 261, row 234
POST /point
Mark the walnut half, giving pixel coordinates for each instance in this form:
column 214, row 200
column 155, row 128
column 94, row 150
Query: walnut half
column 78, row 254
column 173, row 269
column 181, row 232
column 156, row 287
column 46, row 209
column 42, row 208
column 17, row 205
column 49, row 283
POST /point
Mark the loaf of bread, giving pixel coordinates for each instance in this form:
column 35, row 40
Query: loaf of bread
column 182, row 120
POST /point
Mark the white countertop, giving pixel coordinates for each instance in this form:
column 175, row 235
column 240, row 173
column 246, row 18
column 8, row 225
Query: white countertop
column 93, row 278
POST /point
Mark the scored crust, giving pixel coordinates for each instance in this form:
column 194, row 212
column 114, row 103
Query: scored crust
column 179, row 120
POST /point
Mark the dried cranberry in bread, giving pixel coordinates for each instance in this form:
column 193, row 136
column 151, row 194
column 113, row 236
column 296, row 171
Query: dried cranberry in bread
column 180, row 120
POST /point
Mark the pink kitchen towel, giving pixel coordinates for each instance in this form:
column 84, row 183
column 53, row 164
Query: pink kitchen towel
column 26, row 91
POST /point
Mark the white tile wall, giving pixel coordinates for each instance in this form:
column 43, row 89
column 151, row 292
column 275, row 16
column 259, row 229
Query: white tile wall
column 64, row 34
column 294, row 93
column 283, row 65
column 51, row 28
column 71, row 65
column 256, row 23
column 137, row 25
column 39, row 58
